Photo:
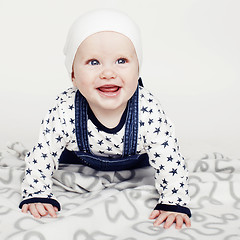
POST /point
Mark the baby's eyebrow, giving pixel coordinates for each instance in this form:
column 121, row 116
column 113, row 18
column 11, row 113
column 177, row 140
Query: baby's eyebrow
column 125, row 55
column 89, row 58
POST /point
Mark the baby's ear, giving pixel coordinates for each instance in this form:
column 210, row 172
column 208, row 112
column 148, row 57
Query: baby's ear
column 73, row 79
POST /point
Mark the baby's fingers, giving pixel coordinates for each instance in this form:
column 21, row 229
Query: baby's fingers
column 154, row 214
column 25, row 208
column 51, row 210
column 41, row 209
column 169, row 220
column 34, row 211
column 187, row 221
column 56, row 209
column 162, row 217
column 179, row 222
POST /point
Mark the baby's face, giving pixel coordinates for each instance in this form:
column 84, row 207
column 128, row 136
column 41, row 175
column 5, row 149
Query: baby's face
column 105, row 70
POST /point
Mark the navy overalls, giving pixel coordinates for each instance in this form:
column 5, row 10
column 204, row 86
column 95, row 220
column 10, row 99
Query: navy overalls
column 129, row 159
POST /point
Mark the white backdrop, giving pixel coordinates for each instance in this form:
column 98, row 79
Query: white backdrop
column 191, row 62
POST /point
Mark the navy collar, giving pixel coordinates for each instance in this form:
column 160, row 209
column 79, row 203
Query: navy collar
column 103, row 128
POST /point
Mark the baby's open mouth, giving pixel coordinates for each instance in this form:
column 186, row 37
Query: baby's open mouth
column 109, row 88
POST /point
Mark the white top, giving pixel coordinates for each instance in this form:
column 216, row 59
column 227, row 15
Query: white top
column 155, row 137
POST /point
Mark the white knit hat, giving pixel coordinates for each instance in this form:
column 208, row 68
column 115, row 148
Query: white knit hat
column 97, row 21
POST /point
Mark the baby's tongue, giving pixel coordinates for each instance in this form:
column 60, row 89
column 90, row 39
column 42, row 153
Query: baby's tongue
column 109, row 88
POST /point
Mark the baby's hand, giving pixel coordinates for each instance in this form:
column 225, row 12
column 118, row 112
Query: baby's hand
column 170, row 218
column 39, row 210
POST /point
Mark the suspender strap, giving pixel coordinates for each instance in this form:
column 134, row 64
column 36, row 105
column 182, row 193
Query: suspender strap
column 81, row 106
column 131, row 126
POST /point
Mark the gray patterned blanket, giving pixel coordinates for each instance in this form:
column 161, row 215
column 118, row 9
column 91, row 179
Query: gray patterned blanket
column 116, row 205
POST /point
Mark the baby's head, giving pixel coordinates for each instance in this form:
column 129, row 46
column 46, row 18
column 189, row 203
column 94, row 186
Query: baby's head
column 103, row 57
column 98, row 21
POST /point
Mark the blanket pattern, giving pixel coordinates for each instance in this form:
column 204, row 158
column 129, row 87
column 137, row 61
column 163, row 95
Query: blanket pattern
column 116, row 205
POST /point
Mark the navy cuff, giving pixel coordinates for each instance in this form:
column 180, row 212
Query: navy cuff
column 54, row 202
column 173, row 208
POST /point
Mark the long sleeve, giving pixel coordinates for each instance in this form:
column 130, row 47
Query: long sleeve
column 42, row 160
column 171, row 173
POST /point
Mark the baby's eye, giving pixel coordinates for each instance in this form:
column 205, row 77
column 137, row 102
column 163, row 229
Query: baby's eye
column 121, row 61
column 93, row 62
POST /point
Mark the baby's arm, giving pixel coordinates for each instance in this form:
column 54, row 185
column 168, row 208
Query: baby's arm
column 171, row 182
column 42, row 161
column 171, row 174
column 39, row 210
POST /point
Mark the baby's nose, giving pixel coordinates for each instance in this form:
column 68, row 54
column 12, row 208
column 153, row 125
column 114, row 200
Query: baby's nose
column 107, row 74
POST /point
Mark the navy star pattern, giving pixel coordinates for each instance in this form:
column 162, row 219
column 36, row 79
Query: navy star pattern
column 155, row 137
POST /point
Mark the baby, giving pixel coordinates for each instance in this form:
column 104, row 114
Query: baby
column 107, row 121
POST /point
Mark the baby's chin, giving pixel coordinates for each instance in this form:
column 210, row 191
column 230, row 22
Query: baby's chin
column 112, row 105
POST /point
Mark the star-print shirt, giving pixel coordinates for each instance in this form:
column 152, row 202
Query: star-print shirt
column 155, row 137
